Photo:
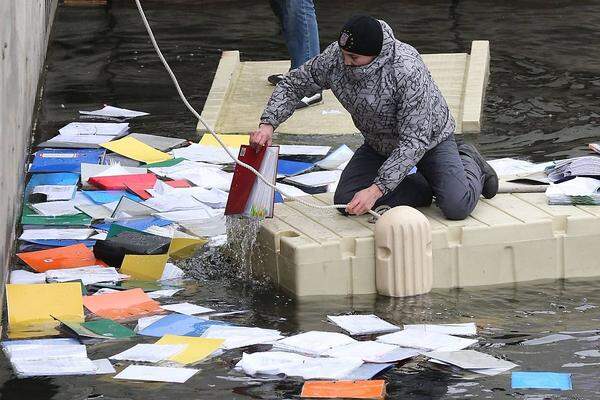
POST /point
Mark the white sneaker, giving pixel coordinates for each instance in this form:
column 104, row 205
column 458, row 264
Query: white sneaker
column 309, row 101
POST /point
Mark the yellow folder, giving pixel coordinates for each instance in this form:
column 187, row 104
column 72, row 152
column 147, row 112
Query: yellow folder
column 137, row 150
column 197, row 348
column 144, row 267
column 183, row 247
column 37, row 304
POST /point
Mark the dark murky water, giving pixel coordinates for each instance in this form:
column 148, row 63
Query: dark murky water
column 542, row 102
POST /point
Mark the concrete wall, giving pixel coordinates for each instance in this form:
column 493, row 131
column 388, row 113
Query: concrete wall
column 24, row 30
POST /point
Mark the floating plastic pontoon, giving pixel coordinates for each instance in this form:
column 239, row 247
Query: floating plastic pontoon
column 240, row 92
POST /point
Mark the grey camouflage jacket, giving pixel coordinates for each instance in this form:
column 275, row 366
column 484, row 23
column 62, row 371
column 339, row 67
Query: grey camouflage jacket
column 393, row 101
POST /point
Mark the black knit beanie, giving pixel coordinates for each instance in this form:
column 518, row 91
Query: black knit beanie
column 362, row 35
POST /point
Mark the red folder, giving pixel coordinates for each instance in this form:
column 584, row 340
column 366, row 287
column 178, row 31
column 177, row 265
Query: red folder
column 122, row 182
column 243, row 179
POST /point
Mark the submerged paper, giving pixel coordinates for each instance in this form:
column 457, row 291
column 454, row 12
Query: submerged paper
column 418, row 339
column 362, row 324
column 122, row 305
column 156, row 374
column 241, row 336
column 313, row 342
column 149, row 352
column 187, row 308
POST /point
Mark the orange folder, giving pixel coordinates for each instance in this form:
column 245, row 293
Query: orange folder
column 74, row 256
column 344, row 389
column 122, row 305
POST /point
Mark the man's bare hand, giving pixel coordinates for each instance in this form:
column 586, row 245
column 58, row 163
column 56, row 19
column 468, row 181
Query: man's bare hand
column 364, row 200
column 262, row 136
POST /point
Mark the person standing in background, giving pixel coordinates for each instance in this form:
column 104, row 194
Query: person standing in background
column 301, row 34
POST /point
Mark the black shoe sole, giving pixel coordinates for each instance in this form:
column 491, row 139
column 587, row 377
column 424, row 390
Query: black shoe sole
column 490, row 184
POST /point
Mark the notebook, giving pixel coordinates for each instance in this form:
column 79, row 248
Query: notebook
column 248, row 195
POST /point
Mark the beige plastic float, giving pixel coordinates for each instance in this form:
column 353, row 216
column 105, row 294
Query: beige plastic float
column 240, row 92
column 510, row 238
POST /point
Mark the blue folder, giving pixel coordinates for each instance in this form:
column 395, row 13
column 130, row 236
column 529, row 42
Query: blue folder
column 289, row 168
column 541, row 380
column 109, row 196
column 57, row 178
column 181, row 325
column 138, row 224
column 64, row 160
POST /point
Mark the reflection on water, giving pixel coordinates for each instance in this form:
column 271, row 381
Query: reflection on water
column 542, row 102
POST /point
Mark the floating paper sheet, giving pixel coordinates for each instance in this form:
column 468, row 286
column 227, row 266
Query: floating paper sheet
column 363, row 350
column 362, row 324
column 94, row 128
column 133, row 148
column 110, row 111
column 464, row 329
column 59, row 258
column 313, row 342
column 145, row 322
column 338, row 157
column 229, row 140
column 471, row 359
column 39, row 304
column 179, row 324
column 159, row 294
column 290, row 364
column 56, row 192
column 315, row 179
column 541, row 380
column 187, row 308
column 156, row 374
column 122, row 305
column 144, row 267
column 149, row 352
column 162, row 143
column 363, row 389
column 241, row 336
column 87, row 275
column 558, row 337
column 171, row 271
column 418, row 339
column 366, row 371
column 302, row 150
column 208, row 154
column 196, row 349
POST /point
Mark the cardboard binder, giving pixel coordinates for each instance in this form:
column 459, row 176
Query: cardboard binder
column 248, row 195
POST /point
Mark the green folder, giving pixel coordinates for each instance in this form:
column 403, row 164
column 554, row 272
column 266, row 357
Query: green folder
column 167, row 163
column 108, row 329
column 29, row 217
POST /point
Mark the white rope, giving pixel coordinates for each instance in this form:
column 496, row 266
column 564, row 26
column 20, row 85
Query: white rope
column 214, row 134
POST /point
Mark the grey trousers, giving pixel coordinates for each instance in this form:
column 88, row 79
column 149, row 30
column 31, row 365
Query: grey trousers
column 455, row 181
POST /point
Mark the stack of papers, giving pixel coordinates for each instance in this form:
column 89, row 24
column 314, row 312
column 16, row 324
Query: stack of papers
column 424, row 340
column 464, row 329
column 87, row 275
column 156, row 374
column 241, row 336
column 362, row 324
column 473, row 360
column 290, row 364
column 580, row 166
column 52, row 357
column 94, row 128
column 575, row 191
column 315, row 343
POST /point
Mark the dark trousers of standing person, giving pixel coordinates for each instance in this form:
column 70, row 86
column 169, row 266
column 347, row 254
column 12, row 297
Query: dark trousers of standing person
column 300, row 31
column 456, row 181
